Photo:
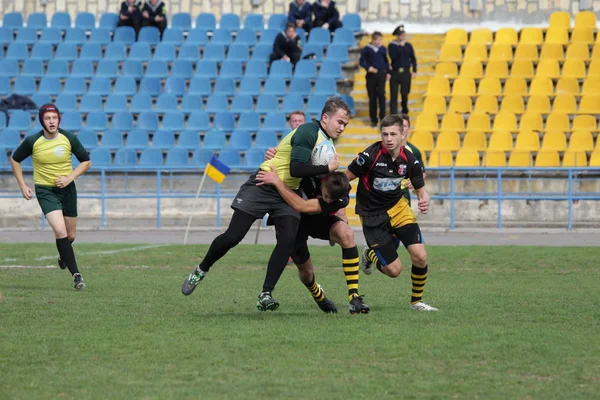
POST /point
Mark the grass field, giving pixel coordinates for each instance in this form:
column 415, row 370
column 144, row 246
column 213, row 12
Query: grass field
column 514, row 322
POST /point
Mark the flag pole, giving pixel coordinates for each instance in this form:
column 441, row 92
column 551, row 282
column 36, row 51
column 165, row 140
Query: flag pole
column 194, row 206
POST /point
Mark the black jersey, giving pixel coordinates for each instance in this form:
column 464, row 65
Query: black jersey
column 380, row 178
column 312, row 189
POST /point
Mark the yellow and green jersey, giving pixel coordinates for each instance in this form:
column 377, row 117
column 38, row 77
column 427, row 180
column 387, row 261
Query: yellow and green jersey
column 296, row 145
column 51, row 157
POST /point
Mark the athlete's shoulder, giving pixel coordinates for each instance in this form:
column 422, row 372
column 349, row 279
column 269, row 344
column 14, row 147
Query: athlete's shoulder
column 373, row 149
column 31, row 139
column 68, row 134
column 369, row 154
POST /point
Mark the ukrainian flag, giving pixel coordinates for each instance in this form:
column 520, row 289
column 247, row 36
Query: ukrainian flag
column 216, row 170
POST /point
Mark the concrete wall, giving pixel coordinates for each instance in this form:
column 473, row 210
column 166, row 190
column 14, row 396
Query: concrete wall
column 416, row 11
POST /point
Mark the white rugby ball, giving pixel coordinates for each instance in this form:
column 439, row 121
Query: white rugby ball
column 322, row 153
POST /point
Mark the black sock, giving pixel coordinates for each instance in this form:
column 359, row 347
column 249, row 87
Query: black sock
column 286, row 228
column 67, row 255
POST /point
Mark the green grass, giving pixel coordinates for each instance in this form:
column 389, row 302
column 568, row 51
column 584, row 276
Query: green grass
column 514, row 322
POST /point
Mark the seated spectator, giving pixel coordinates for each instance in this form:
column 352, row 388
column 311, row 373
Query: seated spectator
column 300, row 14
column 326, row 15
column 131, row 15
column 287, row 45
column 154, row 13
column 297, row 118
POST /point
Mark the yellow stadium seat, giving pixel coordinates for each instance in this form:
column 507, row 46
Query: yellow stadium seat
column 501, row 140
column 505, row 121
column 541, row 85
column 522, row 69
column 578, row 51
column 479, row 122
column 471, row 69
column 585, row 19
column 558, row 120
column 560, row 19
column 547, row 158
column 596, row 52
column 486, row 103
column 447, row 140
column 513, row 103
column 501, row 52
column 453, row 122
column 460, row 104
column 565, row 103
column 467, row 158
column 589, row 104
column 507, row 36
column 581, row 141
column 465, row 86
column 515, row 86
column 435, row 104
column 574, row 69
column 489, row 85
column 526, row 52
column 557, row 35
column 527, row 140
column 476, row 51
column 494, row 158
column 554, row 140
column 567, row 86
column 423, row 140
column 591, row 86
column 520, row 158
column 438, row 85
column 447, row 70
column 474, row 141
column 456, row 36
column 595, row 159
column 426, row 122
column 582, row 35
column 532, row 121
column 450, row 53
column 482, row 36
column 440, row 158
column 548, row 68
column 594, row 68
column 584, row 122
column 552, row 51
column 531, row 36
column 574, row 158
column 539, row 103
column 496, row 69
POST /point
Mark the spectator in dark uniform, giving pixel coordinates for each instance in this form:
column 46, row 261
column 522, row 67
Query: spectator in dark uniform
column 326, row 15
column 300, row 14
column 403, row 58
column 287, row 45
column 373, row 58
column 155, row 14
column 131, row 15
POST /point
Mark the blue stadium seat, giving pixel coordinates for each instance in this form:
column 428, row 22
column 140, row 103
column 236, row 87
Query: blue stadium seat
column 181, row 21
column 50, row 86
column 173, row 36
column 214, row 52
column 42, row 52
column 140, row 51
column 85, row 20
column 326, row 86
column 37, row 20
column 225, row 86
column 275, row 121
column 254, row 22
column 112, row 139
column 125, row 158
column 71, row 121
column 150, row 35
column 275, row 86
column 150, row 86
column 122, row 121
column 319, row 36
column 125, row 85
column 250, row 86
column 281, row 69
column 100, row 86
column 230, row 21
column 6, row 36
column 302, row 35
column 88, row 139
column 175, row 86
column 224, row 121
column 33, row 68
column 242, row 103
column 165, row 52
column 109, row 21
column 240, row 140
column 148, row 120
column 151, row 157
column 4, row 86
column 201, row 157
column 140, row 102
column 76, row 36
column 100, row 157
column 254, row 157
column 262, row 52
column 19, row 120
column 206, row 21
column 115, row 103
column 24, row 85
column 230, row 157
column 292, row 102
column 125, row 35
column 10, row 68
column 40, row 99
column 338, row 52
column 256, row 70
column 163, row 139
column 157, row 69
column 188, row 139
column 352, row 22
column 246, row 36
column 300, row 86
column 266, row 139
column 207, row 69
column 277, row 22
column 9, row 139
column 83, row 68
column 198, row 36
column 26, row 35
column 350, row 102
column 216, row 102
column 66, row 52
column 198, row 120
column 268, row 36
column 173, row 121
column 107, row 69
column 191, row 103
column 58, row 68
column 231, row 69
column 97, row 121
column 61, row 20
column 182, row 69
column 51, row 36
column 221, row 37
column 331, row 69
column 189, row 52
column 177, row 157
column 200, row 86
column 90, row 103
column 267, row 103
column 316, row 49
column 13, row 20
column 238, row 52
column 316, row 103
column 249, row 120
column 344, row 36
column 66, row 102
column 100, row 35
column 17, row 51
column 91, row 51
column 306, row 69
column 137, row 139
column 131, row 69
column 214, row 140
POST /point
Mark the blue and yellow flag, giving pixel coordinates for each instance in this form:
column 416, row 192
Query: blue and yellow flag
column 216, row 170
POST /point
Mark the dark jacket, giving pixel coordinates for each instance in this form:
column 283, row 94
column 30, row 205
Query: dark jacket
column 154, row 11
column 16, row 102
column 284, row 46
column 328, row 14
column 136, row 9
column 298, row 11
column 402, row 56
column 372, row 56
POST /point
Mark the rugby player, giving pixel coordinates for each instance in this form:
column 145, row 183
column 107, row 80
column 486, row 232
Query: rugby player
column 406, row 185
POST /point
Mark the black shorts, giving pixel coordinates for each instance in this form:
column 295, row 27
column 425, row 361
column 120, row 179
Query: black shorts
column 382, row 237
column 260, row 200
column 316, row 226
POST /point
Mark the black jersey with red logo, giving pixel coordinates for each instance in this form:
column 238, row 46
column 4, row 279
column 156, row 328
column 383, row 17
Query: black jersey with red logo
column 380, row 178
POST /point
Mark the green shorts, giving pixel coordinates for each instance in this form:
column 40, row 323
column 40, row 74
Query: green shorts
column 52, row 198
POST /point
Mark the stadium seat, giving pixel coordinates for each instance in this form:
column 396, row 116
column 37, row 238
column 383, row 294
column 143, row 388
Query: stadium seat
column 560, row 19
column 539, row 103
column 541, row 86
column 124, row 35
column 585, row 19
column 224, row 121
column 71, row 121
column 245, row 37
column 217, row 102
column 325, row 86
column 108, row 21
column 267, row 103
column 137, row 139
column 61, row 20
column 520, row 159
column 13, row 20
column 527, row 140
column 257, row 70
column 476, row 52
column 19, row 120
column 76, row 36
column 166, row 102
column 574, row 158
column 494, row 159
column 51, row 36
column 115, row 103
column 100, row 157
column 450, row 53
column 471, row 69
column 206, row 69
column 31, row 67
column 554, row 140
column 334, row 52
column 440, row 158
column 90, row 103
column 38, row 99
column 589, row 104
column 581, row 140
column 88, row 139
column 126, row 157
column 6, row 36
column 177, row 157
column 578, row 51
column 268, row 37
column 238, row 52
column 26, row 36
column 426, row 122
column 206, row 21
column 107, row 69
column 497, row 69
column 182, row 69
column 595, row 159
column 262, row 52
column 438, row 85
column 315, row 104
column 225, row 86
column 582, row 36
column 549, row 68
column 197, row 37
column 116, row 52
column 9, row 139
column 447, row 140
column 558, row 35
column 230, row 157
column 66, row 102
column 230, row 21
column 181, row 21
column 478, row 122
column 150, row 35
column 10, row 68
column 345, row 37
column 435, row 104
column 265, row 139
column 240, row 140
column 526, row 52
column 584, row 122
column 531, row 36
column 319, row 36
column 456, row 36
column 423, row 140
column 86, row 21
column 565, row 103
column 175, row 86
column 42, row 52
column 292, row 102
column 83, row 68
column 250, row 86
column 352, row 22
column 460, row 104
column 522, row 69
column 100, row 86
column 532, row 121
column 254, row 22
column 505, row 121
column 198, row 120
column 515, row 86
column 91, row 52
column 148, row 120
column 447, row 70
column 221, row 37
column 254, row 157
column 173, row 36
column 547, row 158
column 97, row 121
column 152, row 86
column 558, row 120
column 164, row 52
column 277, row 22
column 275, row 86
column 214, row 52
column 281, row 69
column 552, row 51
column 200, row 157
column 501, row 52
column 125, row 85
column 214, row 140
column 567, row 86
column 157, row 69
column 300, row 86
column 188, row 139
column 474, row 141
column 231, row 69
column 486, row 103
column 591, row 86
column 200, row 86
column 481, row 36
column 164, row 138
column 24, row 86
column 140, row 51
column 242, row 103
column 574, row 68
column 249, row 120
column 513, row 103
column 17, row 51
column 275, row 121
column 140, row 102
column 467, row 158
column 464, row 86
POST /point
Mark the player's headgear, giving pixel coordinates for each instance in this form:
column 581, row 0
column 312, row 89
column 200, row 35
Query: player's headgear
column 399, row 30
column 49, row 107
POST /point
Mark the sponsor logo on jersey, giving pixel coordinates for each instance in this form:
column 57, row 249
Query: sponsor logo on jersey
column 386, row 184
column 380, row 164
column 59, row 151
column 402, row 169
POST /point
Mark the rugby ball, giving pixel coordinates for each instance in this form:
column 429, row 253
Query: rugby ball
column 322, row 153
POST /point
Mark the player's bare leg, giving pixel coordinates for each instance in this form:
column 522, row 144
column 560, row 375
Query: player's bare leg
column 65, row 250
column 418, row 256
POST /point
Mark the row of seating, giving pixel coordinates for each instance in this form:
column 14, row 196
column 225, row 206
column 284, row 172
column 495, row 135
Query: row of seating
column 517, row 159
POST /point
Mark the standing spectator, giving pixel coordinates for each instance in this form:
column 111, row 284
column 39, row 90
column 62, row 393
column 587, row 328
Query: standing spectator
column 403, row 57
column 131, row 15
column 300, row 14
column 373, row 58
column 287, row 45
column 326, row 15
column 155, row 14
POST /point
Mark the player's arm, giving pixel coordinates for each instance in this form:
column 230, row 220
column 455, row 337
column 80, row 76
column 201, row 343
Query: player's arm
column 416, row 178
column 359, row 166
column 24, row 150
column 303, row 142
column 300, row 205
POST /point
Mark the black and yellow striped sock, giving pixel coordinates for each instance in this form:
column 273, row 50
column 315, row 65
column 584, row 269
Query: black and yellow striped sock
column 418, row 277
column 315, row 290
column 374, row 259
column 350, row 265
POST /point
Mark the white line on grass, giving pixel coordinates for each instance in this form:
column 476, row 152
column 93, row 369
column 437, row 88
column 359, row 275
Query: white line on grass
column 115, row 251
column 28, row 266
